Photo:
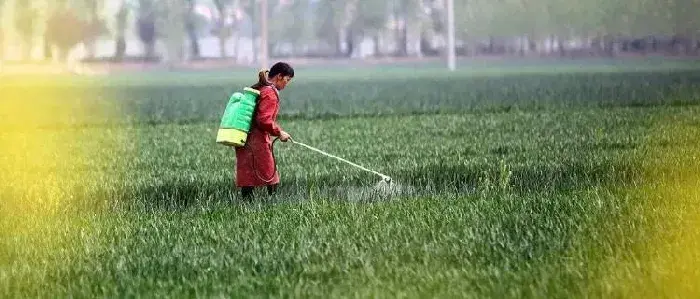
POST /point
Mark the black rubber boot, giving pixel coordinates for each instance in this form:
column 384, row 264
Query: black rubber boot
column 271, row 190
column 247, row 193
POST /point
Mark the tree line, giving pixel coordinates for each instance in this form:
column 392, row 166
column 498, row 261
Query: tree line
column 337, row 28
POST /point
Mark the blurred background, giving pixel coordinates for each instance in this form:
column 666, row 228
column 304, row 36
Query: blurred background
column 114, row 34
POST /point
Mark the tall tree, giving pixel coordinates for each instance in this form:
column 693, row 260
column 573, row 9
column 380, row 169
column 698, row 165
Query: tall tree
column 170, row 25
column 225, row 25
column 555, row 20
column 687, row 23
column 2, row 32
column 64, row 30
column 25, row 23
column 120, row 36
column 94, row 24
column 286, row 27
column 483, row 19
column 327, row 31
column 49, row 35
column 411, row 17
column 146, row 27
column 370, row 21
column 191, row 27
column 335, row 27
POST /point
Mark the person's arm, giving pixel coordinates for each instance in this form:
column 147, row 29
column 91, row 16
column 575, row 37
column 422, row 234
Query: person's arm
column 267, row 106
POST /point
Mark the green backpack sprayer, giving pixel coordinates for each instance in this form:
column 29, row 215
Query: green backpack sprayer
column 237, row 121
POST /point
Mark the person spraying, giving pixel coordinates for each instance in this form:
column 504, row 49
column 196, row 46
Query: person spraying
column 249, row 123
column 255, row 164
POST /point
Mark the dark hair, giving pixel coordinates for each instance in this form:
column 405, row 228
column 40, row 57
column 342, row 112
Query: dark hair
column 280, row 68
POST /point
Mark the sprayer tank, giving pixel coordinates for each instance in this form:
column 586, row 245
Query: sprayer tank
column 238, row 117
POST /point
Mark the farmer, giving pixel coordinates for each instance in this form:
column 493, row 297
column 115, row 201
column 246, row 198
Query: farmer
column 255, row 164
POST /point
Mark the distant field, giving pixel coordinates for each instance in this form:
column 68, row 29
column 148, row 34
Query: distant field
column 561, row 180
column 318, row 93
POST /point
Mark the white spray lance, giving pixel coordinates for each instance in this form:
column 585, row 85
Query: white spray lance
column 384, row 177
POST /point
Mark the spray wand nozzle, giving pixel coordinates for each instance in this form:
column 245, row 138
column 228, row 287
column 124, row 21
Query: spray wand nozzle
column 385, row 178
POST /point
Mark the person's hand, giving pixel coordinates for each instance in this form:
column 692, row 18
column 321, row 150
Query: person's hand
column 284, row 136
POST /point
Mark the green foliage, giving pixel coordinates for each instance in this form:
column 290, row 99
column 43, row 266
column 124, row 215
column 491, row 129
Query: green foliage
column 146, row 26
column 684, row 17
column 286, row 25
column 561, row 197
column 65, row 30
column 371, row 16
column 25, row 18
column 479, row 18
column 330, row 14
column 170, row 26
column 69, row 23
column 316, row 94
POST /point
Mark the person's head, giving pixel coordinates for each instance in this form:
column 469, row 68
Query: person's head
column 279, row 75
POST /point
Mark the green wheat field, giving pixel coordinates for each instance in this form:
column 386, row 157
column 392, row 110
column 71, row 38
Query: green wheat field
column 559, row 179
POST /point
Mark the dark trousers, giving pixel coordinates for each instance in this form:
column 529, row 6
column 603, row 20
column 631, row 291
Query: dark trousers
column 247, row 192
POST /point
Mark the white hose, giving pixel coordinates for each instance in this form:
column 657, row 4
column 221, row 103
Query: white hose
column 384, row 177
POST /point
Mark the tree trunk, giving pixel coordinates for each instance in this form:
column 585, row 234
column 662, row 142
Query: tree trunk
column 192, row 31
column 120, row 49
column 221, row 34
column 350, row 42
column 236, row 45
column 120, row 42
column 92, row 30
column 598, row 44
column 222, row 45
column 689, row 50
column 625, row 46
column 2, row 45
column 403, row 40
column 339, row 43
column 402, row 30
column 48, row 53
column 194, row 44
column 609, row 46
column 532, row 45
column 150, row 50
column 413, row 40
column 254, row 46
column 63, row 55
column 377, row 48
column 561, row 47
column 90, row 46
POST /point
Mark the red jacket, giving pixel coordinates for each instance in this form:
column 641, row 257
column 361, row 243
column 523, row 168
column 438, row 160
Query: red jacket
column 255, row 165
